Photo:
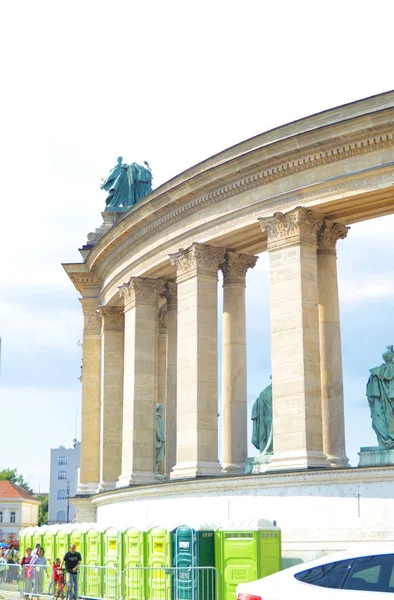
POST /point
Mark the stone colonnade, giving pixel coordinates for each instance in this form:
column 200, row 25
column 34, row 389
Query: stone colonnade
column 161, row 346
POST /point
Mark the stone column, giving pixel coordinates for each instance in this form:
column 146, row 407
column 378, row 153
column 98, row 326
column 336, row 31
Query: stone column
column 171, row 375
column 330, row 345
column 295, row 350
column 111, row 414
column 140, row 380
column 197, row 430
column 89, row 476
column 234, row 385
column 162, row 367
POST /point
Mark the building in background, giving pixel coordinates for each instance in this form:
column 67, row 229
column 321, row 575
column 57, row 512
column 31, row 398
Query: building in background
column 18, row 509
column 63, row 483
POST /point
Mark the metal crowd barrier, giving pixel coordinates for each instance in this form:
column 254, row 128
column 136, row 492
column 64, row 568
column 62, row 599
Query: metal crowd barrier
column 107, row 583
column 172, row 583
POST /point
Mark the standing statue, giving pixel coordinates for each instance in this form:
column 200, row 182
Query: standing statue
column 160, row 437
column 380, row 394
column 262, row 422
column 126, row 185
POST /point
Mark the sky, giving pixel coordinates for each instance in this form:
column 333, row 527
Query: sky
column 172, row 83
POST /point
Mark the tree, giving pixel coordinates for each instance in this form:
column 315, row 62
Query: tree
column 12, row 476
column 43, row 509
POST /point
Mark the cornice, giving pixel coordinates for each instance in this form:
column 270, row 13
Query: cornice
column 261, row 173
column 373, row 178
column 245, row 485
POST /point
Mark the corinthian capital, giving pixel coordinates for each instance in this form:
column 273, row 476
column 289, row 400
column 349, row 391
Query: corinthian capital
column 112, row 318
column 235, row 267
column 141, row 291
column 328, row 236
column 91, row 318
column 299, row 225
column 197, row 259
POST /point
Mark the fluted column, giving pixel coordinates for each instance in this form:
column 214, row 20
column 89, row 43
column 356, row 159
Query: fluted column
column 140, row 380
column 170, row 293
column 234, row 383
column 197, row 429
column 295, row 349
column 111, row 413
column 91, row 391
column 330, row 345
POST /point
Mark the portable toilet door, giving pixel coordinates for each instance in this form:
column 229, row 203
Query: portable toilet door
column 184, row 557
column 158, row 559
column 28, row 539
column 133, row 563
column 61, row 543
column 236, row 558
column 112, row 562
column 206, row 558
column 93, row 562
column 270, row 551
column 48, row 542
column 77, row 537
column 37, row 537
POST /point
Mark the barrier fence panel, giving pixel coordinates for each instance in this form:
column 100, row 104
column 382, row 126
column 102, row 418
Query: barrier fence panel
column 170, row 583
column 10, row 579
column 98, row 582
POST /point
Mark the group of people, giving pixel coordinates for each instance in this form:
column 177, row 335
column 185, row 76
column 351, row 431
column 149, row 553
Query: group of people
column 33, row 572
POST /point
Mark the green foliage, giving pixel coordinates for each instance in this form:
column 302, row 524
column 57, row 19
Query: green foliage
column 12, row 476
column 43, row 509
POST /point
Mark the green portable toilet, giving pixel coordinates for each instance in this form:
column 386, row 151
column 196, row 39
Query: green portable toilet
column 22, row 545
column 61, row 543
column 133, row 560
column 157, row 558
column 37, row 537
column 28, row 539
column 193, row 547
column 112, row 561
column 242, row 553
column 93, row 562
column 48, row 542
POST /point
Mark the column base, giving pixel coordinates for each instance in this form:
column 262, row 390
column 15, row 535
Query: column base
column 233, row 469
column 191, row 470
column 87, row 489
column 105, row 486
column 297, row 460
column 338, row 461
column 136, row 478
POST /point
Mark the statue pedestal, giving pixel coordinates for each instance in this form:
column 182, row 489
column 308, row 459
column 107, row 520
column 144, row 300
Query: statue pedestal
column 257, row 464
column 372, row 456
column 110, row 217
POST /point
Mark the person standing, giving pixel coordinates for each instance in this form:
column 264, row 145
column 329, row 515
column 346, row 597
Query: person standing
column 27, row 574
column 72, row 560
column 39, row 562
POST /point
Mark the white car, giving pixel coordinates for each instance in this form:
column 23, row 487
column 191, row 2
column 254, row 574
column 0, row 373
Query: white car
column 362, row 573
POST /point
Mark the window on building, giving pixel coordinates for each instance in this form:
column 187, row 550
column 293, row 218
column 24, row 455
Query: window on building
column 61, row 494
column 62, row 460
column 1, row 516
column 62, row 475
column 61, row 516
column 12, row 517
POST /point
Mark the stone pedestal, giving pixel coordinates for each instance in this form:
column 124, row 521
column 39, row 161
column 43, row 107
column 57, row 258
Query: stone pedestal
column 295, row 351
column 234, row 389
column 333, row 417
column 140, row 380
column 373, row 456
column 91, row 398
column 257, row 464
column 112, row 334
column 197, row 409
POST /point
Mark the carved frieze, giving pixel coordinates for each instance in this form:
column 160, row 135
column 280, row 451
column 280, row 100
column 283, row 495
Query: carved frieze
column 141, row 290
column 235, row 267
column 299, row 225
column 328, row 236
column 197, row 259
column 85, row 281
